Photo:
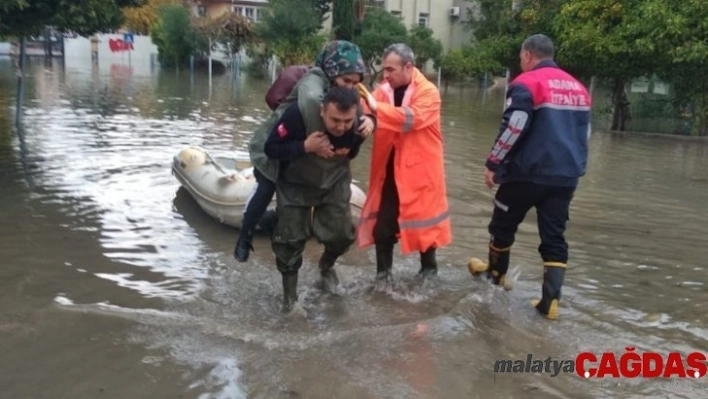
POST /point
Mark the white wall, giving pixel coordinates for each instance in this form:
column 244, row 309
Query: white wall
column 137, row 60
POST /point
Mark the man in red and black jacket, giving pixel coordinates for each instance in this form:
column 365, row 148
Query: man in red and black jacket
column 538, row 158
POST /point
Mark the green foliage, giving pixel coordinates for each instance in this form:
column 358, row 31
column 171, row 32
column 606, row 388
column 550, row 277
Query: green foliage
column 175, row 37
column 605, row 38
column 343, row 21
column 378, row 30
column 322, row 7
column 141, row 19
column 302, row 52
column 678, row 31
column 424, row 45
column 455, row 64
column 288, row 20
column 232, row 30
column 290, row 29
column 260, row 56
column 85, row 17
column 499, row 29
column 468, row 61
column 610, row 39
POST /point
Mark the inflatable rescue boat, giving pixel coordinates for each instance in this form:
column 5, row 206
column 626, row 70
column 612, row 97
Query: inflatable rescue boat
column 222, row 185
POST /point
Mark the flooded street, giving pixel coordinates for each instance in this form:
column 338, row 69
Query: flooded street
column 115, row 284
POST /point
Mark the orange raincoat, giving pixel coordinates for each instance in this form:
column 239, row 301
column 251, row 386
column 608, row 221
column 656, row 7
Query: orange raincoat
column 414, row 131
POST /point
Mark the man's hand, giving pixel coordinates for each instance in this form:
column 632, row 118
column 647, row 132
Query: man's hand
column 366, row 127
column 367, row 96
column 489, row 178
column 319, row 144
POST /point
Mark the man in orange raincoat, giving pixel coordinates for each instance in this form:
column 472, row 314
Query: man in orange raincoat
column 407, row 198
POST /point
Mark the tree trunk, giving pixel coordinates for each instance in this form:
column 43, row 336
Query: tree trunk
column 21, row 81
column 620, row 114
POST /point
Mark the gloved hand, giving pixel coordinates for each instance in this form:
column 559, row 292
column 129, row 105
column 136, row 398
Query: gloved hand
column 367, row 96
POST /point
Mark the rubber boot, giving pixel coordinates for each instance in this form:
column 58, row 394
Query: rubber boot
column 498, row 265
column 243, row 246
column 330, row 281
column 384, row 262
column 289, row 291
column 428, row 264
column 553, row 277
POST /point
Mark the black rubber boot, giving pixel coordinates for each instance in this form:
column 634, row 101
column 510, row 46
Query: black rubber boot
column 428, row 264
column 330, row 281
column 243, row 246
column 553, row 277
column 384, row 262
column 289, row 291
column 498, row 264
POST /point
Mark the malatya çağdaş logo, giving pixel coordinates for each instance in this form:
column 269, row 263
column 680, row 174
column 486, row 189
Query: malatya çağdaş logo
column 630, row 364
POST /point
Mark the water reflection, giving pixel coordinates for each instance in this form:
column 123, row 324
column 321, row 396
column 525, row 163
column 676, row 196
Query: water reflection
column 93, row 167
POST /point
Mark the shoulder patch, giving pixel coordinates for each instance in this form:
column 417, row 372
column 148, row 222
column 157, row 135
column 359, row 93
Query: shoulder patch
column 282, row 131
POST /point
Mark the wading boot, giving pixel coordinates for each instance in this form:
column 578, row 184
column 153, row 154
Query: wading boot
column 553, row 275
column 497, row 267
column 268, row 222
column 384, row 264
column 243, row 246
column 289, row 291
column 428, row 264
column 329, row 276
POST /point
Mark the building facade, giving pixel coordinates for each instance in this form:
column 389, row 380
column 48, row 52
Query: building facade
column 251, row 9
column 444, row 17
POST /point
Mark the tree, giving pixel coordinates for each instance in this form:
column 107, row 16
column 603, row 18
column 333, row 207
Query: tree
column 322, row 8
column 454, row 65
column 232, row 30
column 175, row 37
column 290, row 28
column 424, row 45
column 378, row 30
column 343, row 22
column 605, row 38
column 467, row 61
column 499, row 27
column 84, row 17
column 140, row 19
column 678, row 31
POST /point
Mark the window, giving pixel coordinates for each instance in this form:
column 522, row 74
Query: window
column 423, row 19
column 259, row 14
column 397, row 14
column 202, row 11
column 250, row 13
column 237, row 10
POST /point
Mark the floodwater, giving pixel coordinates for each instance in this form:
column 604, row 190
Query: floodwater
column 114, row 284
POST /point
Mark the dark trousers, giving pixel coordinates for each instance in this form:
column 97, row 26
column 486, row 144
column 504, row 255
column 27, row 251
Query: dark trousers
column 513, row 201
column 257, row 203
column 330, row 222
column 386, row 227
